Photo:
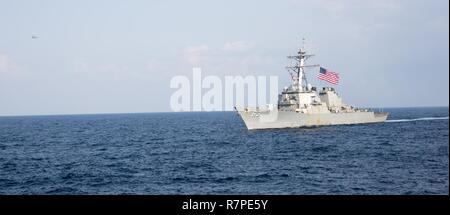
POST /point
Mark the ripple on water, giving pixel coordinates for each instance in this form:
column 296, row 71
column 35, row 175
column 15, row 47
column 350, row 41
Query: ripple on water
column 198, row 153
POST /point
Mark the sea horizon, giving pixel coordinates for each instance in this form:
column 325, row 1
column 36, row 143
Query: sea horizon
column 376, row 109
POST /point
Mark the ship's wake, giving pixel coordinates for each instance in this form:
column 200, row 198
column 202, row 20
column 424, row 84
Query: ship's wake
column 418, row 119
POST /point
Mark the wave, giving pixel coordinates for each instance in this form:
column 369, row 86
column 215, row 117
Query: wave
column 417, row 119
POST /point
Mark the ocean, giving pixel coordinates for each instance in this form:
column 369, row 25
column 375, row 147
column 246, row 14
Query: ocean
column 213, row 153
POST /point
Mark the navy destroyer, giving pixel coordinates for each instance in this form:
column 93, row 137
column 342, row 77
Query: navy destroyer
column 302, row 105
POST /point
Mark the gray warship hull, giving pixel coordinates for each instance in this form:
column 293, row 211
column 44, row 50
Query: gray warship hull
column 289, row 119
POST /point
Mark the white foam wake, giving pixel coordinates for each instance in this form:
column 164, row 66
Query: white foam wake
column 417, row 119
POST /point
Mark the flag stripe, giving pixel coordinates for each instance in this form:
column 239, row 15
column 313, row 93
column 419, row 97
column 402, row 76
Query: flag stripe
column 330, row 80
column 328, row 76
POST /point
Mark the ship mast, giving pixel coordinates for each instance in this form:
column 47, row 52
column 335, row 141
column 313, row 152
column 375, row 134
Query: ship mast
column 298, row 71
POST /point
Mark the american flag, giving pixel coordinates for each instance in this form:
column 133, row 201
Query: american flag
column 328, row 76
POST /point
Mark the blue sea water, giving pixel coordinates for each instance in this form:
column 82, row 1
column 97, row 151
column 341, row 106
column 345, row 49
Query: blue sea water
column 213, row 153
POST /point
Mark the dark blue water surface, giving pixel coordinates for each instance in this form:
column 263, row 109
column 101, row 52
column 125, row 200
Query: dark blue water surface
column 213, row 153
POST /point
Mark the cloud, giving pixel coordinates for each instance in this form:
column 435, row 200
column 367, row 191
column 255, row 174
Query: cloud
column 197, row 48
column 7, row 65
column 346, row 5
column 346, row 9
column 195, row 53
column 153, row 65
column 198, row 55
column 112, row 70
column 237, row 46
column 230, row 59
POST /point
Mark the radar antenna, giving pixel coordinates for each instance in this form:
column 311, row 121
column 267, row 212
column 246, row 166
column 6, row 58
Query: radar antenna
column 297, row 71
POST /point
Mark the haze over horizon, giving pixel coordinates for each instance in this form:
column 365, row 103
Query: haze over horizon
column 83, row 57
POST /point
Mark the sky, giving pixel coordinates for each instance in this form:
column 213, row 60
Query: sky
column 119, row 56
